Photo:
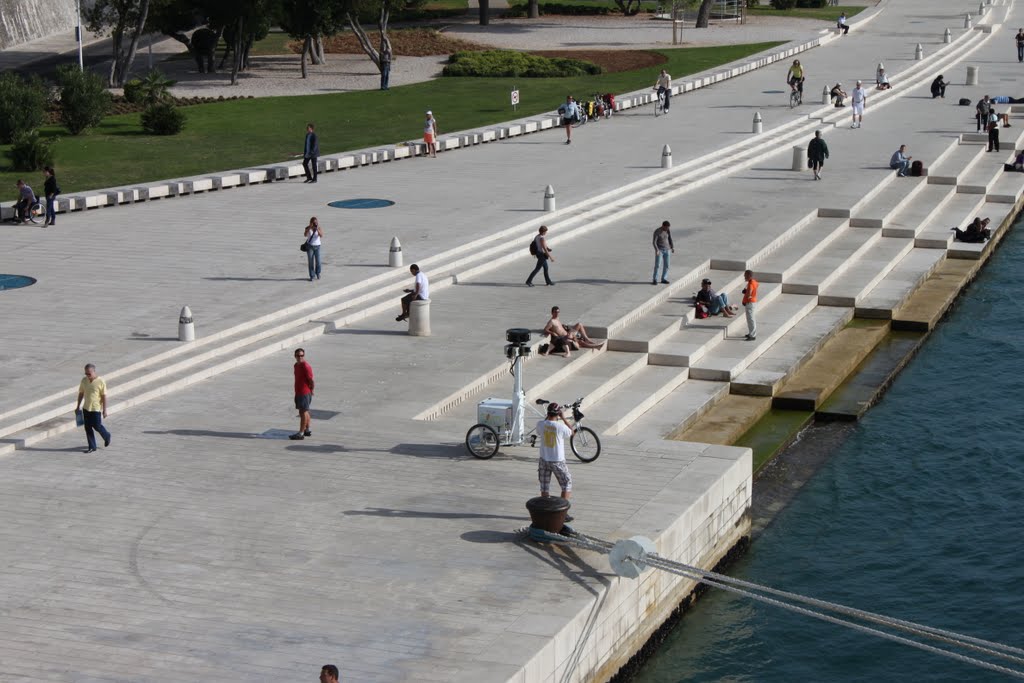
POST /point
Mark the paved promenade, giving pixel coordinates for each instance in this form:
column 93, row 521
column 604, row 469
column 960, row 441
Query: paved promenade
column 202, row 544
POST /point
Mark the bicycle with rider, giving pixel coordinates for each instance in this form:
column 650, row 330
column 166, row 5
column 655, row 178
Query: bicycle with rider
column 795, row 76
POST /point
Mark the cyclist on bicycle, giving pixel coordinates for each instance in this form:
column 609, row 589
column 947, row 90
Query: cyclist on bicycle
column 664, row 87
column 26, row 198
column 795, row 77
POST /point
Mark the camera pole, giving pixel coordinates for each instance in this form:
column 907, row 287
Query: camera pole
column 518, row 399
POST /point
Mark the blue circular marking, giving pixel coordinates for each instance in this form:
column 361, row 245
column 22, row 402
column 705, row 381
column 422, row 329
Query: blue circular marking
column 363, row 203
column 15, row 281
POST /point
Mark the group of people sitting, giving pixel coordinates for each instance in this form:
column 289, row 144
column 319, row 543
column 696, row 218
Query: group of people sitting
column 976, row 232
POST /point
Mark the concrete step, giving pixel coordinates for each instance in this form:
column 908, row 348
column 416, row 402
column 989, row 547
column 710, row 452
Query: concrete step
column 734, row 354
column 898, row 193
column 982, row 174
column 927, row 203
column 830, row 263
column 1007, row 188
column 594, row 379
column 806, row 242
column 681, row 408
column 896, row 287
column 764, row 376
column 958, row 212
column 634, row 397
column 956, row 163
column 866, row 271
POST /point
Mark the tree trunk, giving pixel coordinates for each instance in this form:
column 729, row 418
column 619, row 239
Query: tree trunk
column 485, row 12
column 236, row 58
column 317, row 51
column 704, row 13
column 364, row 40
column 306, row 47
column 533, row 9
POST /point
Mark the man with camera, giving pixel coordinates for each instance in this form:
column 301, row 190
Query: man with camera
column 552, row 433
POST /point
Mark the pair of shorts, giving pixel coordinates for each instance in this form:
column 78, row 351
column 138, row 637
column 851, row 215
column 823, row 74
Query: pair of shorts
column 302, row 402
column 428, row 138
column 546, row 468
column 858, row 109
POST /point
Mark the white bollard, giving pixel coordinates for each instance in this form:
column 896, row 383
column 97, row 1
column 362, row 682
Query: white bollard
column 919, row 52
column 666, row 157
column 186, row 327
column 967, row 20
column 947, row 37
column 825, row 96
column 878, row 71
column 549, row 198
column 981, row 9
column 419, row 318
column 758, row 127
column 972, row 75
column 799, row 156
column 395, row 254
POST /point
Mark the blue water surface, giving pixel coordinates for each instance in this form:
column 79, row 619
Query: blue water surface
column 917, row 515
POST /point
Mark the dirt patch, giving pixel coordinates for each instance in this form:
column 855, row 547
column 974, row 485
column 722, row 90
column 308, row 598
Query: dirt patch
column 611, row 61
column 414, row 42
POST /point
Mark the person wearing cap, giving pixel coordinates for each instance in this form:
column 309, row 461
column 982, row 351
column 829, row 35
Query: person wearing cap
column 859, row 101
column 716, row 303
column 552, row 433
column 749, row 303
column 430, row 133
column 662, row 242
column 838, row 95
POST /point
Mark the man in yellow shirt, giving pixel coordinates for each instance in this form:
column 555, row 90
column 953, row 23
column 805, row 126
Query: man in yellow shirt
column 92, row 400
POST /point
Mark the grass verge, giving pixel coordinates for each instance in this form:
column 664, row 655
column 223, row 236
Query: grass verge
column 830, row 13
column 243, row 133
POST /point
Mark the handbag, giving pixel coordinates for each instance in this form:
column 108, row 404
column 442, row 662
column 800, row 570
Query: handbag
column 304, row 246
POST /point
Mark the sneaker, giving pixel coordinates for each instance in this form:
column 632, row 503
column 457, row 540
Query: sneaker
column 664, row 282
column 568, row 142
column 297, row 436
column 750, row 338
column 89, row 450
column 106, row 441
column 569, row 518
column 307, row 433
column 654, row 282
column 400, row 318
column 529, row 284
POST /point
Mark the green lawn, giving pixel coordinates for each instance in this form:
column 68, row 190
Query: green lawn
column 244, row 133
column 824, row 13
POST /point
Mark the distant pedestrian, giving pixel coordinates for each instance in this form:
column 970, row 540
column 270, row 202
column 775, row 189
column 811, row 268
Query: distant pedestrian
column 570, row 114
column 750, row 303
column 939, row 87
column 838, row 95
column 662, row 242
column 553, row 431
column 314, row 235
column 385, row 64
column 50, row 189
column 993, row 132
column 310, row 153
column 981, row 112
column 859, row 100
column 92, row 401
column 430, row 134
column 329, row 674
column 1020, row 44
column 817, row 152
column 882, row 81
column 420, row 292
column 842, row 25
column 664, row 87
column 541, row 250
column 303, row 394
column 900, row 161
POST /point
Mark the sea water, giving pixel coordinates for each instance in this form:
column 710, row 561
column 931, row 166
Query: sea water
column 916, row 514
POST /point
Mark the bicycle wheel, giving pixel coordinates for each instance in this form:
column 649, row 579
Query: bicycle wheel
column 659, row 107
column 482, row 441
column 794, row 99
column 585, row 444
column 582, row 120
column 35, row 212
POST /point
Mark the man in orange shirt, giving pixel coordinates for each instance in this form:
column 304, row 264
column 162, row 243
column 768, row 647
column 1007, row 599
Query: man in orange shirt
column 749, row 303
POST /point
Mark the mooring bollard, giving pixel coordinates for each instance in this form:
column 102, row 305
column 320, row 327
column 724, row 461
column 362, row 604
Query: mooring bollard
column 947, row 37
column 186, row 327
column 972, row 75
column 798, row 158
column 967, row 20
column 758, row 127
column 919, row 52
column 666, row 157
column 395, row 254
column 549, row 198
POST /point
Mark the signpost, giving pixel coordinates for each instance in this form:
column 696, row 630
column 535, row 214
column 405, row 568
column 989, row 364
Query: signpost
column 515, row 98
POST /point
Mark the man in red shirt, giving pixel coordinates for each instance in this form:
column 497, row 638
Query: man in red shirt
column 303, row 394
column 749, row 303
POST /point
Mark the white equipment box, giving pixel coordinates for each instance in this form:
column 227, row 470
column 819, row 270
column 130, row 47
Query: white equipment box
column 495, row 413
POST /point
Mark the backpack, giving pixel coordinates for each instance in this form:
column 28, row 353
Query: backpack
column 701, row 310
column 533, row 247
column 964, row 102
column 917, row 168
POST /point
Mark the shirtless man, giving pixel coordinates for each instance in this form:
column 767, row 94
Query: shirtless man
column 567, row 337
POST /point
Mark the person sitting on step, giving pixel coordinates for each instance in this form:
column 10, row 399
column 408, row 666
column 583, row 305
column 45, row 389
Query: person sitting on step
column 838, row 95
column 567, row 338
column 716, row 303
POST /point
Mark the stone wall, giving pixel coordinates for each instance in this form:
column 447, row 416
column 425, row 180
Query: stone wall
column 22, row 21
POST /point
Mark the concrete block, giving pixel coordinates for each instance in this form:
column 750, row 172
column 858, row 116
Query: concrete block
column 347, row 161
column 531, row 127
column 419, row 318
column 403, row 152
column 112, row 198
column 488, row 136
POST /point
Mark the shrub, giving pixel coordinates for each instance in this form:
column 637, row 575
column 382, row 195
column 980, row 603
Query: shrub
column 155, row 87
column 812, row 3
column 503, row 63
column 163, row 118
column 30, row 152
column 84, row 99
column 22, row 105
column 783, row 4
column 518, row 10
column 133, row 91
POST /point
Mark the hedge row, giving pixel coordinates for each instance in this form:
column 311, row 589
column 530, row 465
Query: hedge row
column 504, row 63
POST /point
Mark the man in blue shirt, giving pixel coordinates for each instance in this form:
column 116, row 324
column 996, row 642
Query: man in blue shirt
column 900, row 161
column 570, row 114
column 26, row 198
column 309, row 154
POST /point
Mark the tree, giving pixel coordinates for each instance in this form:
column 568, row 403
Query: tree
column 125, row 20
column 244, row 22
column 628, row 7
column 308, row 20
column 355, row 10
column 704, row 14
column 83, row 99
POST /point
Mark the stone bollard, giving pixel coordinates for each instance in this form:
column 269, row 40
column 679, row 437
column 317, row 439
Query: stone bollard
column 666, row 157
column 919, row 52
column 548, row 512
column 981, row 9
column 967, row 20
column 972, row 75
column 947, row 37
column 549, row 198
column 395, row 255
column 799, row 158
column 419, row 318
column 825, row 96
column 186, row 328
column 878, row 70
column 758, row 126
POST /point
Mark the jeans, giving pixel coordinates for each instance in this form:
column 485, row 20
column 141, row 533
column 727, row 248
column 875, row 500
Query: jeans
column 21, row 210
column 94, row 422
column 313, row 255
column 51, row 212
column 900, row 166
column 309, row 165
column 993, row 138
column 668, row 95
column 751, row 323
column 542, row 262
column 660, row 255
column 385, row 76
column 1020, row 52
column 719, row 302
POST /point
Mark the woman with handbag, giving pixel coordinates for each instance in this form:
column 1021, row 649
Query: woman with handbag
column 313, row 233
column 51, row 190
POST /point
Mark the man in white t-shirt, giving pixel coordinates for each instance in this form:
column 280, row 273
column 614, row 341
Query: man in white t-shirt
column 859, row 99
column 551, row 435
column 419, row 292
column 664, row 86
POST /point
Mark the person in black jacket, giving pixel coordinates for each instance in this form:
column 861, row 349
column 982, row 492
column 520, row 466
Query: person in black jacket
column 310, row 152
column 939, row 87
column 817, row 152
column 51, row 190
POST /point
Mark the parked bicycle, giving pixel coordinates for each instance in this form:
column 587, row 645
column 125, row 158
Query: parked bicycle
column 483, row 441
